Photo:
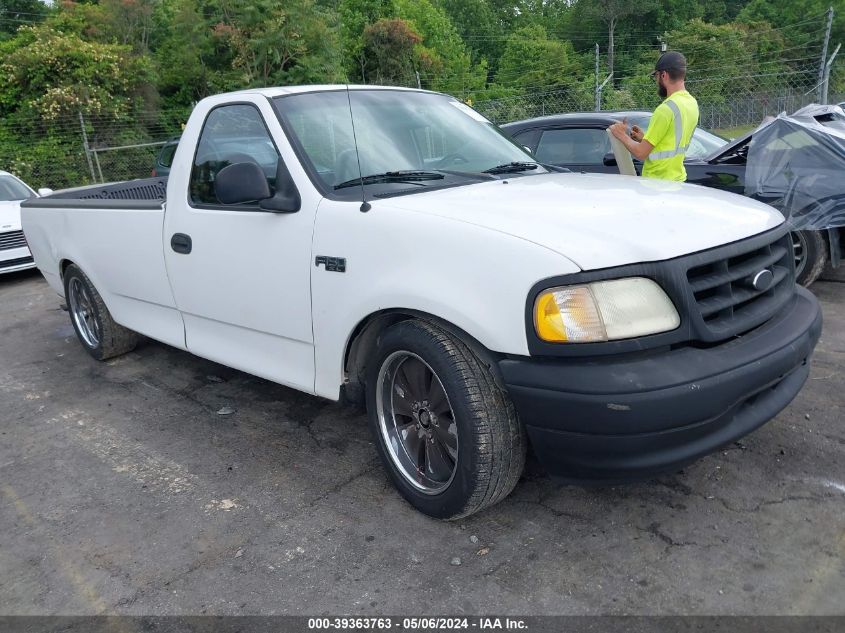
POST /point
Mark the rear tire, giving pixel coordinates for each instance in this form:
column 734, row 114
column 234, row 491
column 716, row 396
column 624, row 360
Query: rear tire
column 447, row 434
column 94, row 326
column 811, row 255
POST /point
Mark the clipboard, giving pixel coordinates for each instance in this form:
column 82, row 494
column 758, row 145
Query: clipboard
column 623, row 157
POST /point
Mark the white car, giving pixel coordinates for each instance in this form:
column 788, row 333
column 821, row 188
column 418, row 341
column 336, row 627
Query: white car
column 14, row 252
column 396, row 247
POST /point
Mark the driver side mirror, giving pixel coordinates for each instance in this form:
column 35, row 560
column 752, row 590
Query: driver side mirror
column 44, row 191
column 609, row 160
column 286, row 198
column 245, row 182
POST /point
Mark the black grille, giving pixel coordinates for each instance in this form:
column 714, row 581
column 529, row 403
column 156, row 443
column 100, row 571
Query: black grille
column 12, row 239
column 11, row 263
column 722, row 289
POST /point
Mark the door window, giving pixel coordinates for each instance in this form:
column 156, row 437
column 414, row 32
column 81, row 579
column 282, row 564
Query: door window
column 527, row 138
column 570, row 146
column 231, row 134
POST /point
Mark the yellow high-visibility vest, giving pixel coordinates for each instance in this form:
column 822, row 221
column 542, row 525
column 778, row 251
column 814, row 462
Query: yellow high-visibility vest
column 670, row 132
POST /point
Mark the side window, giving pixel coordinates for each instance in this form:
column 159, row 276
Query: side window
column 527, row 138
column 231, row 134
column 573, row 146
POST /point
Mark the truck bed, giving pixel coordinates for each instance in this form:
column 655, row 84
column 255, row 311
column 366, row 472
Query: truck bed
column 113, row 232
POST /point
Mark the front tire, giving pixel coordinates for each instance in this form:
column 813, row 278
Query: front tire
column 447, row 434
column 94, row 326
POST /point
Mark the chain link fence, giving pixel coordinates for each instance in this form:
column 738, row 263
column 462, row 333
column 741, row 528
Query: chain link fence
column 731, row 96
column 725, row 102
column 72, row 151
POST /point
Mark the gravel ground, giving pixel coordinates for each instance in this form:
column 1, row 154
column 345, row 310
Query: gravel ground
column 123, row 490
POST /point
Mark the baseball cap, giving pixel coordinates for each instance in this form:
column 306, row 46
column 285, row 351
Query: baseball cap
column 671, row 60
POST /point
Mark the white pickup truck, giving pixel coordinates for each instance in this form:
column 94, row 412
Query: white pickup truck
column 392, row 245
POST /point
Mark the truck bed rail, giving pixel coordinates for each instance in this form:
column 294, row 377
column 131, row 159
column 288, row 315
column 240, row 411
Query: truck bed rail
column 140, row 189
column 143, row 193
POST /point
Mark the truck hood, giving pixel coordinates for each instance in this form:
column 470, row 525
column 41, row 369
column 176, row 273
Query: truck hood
column 10, row 215
column 598, row 220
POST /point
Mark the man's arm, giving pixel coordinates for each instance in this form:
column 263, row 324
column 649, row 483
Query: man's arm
column 639, row 149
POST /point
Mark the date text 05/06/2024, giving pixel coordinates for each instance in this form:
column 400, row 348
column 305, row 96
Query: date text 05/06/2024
column 417, row 624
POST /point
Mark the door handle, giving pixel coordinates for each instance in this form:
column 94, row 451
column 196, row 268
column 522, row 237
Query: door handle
column 181, row 243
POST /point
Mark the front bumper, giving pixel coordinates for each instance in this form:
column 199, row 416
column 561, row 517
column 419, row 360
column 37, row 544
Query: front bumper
column 612, row 419
column 16, row 259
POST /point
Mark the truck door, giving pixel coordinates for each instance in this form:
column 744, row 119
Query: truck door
column 240, row 275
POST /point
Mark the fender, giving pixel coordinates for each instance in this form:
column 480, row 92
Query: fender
column 364, row 337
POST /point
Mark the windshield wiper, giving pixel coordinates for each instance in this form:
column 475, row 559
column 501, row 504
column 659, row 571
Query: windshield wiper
column 406, row 175
column 468, row 174
column 512, row 168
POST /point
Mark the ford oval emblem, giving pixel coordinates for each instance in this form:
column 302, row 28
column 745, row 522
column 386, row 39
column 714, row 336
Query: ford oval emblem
column 762, row 281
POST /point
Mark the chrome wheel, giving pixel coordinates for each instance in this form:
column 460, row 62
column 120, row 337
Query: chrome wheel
column 417, row 422
column 799, row 249
column 82, row 312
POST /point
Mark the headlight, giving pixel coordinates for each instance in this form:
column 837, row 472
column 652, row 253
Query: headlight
column 604, row 311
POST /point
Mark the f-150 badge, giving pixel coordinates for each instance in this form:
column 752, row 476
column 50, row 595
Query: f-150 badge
column 332, row 264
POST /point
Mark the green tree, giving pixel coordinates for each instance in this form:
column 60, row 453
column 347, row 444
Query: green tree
column 354, row 17
column 666, row 15
column 49, row 74
column 532, row 59
column 511, row 14
column 447, row 52
column 478, row 25
column 129, row 22
column 800, row 21
column 611, row 13
column 724, row 59
column 17, row 13
column 49, row 78
column 276, row 43
column 184, row 54
column 392, row 52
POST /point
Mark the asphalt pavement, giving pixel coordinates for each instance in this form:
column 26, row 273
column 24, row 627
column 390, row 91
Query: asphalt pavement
column 161, row 483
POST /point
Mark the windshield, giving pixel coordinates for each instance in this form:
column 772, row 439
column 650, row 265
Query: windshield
column 702, row 145
column 13, row 189
column 396, row 131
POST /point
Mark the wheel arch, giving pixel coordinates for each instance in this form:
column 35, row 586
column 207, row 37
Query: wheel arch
column 362, row 341
column 64, row 263
column 63, row 266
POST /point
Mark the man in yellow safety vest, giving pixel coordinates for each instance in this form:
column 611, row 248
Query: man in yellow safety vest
column 663, row 147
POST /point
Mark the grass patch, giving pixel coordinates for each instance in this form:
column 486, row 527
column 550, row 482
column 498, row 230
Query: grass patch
column 735, row 132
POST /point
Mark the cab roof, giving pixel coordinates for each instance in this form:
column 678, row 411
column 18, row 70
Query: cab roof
column 574, row 118
column 279, row 91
